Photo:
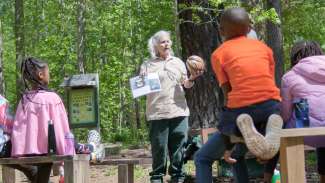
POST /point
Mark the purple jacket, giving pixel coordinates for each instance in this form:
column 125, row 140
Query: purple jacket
column 306, row 80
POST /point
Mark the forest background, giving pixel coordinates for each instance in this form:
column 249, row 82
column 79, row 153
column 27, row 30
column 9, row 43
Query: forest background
column 109, row 37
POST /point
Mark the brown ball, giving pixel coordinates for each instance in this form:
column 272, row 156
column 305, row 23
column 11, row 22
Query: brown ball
column 194, row 64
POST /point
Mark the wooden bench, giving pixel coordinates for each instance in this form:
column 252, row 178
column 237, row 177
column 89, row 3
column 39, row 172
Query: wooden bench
column 76, row 168
column 125, row 167
column 292, row 155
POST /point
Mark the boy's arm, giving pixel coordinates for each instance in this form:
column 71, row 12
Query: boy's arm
column 221, row 75
column 226, row 88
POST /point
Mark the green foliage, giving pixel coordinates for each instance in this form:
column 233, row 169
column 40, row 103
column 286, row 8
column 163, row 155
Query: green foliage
column 116, row 44
column 303, row 20
column 257, row 11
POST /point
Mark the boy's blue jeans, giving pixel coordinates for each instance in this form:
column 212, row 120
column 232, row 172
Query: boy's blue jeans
column 215, row 146
column 213, row 150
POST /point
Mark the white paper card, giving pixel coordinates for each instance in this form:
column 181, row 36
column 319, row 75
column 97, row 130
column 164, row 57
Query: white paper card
column 144, row 85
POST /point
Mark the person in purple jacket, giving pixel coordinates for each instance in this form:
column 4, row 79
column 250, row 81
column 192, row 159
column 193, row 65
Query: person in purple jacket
column 305, row 80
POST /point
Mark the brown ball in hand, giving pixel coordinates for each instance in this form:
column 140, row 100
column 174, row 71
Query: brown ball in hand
column 195, row 64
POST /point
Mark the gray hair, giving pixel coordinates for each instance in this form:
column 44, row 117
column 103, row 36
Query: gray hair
column 252, row 34
column 154, row 41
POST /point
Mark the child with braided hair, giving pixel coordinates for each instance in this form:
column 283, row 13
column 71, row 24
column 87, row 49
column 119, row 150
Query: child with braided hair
column 38, row 106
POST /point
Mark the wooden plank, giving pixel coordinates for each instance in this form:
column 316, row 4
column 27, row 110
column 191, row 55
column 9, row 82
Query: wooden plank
column 81, row 171
column 303, row 132
column 76, row 171
column 68, row 172
column 134, row 161
column 292, row 160
column 130, row 173
column 8, row 175
column 43, row 159
column 122, row 173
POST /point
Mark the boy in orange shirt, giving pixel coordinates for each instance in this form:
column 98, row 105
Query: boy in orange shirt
column 245, row 71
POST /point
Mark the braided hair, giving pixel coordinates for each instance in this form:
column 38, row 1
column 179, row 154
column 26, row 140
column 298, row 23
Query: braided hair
column 304, row 49
column 30, row 67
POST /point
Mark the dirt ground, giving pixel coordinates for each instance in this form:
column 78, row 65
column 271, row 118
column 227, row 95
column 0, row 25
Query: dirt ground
column 108, row 174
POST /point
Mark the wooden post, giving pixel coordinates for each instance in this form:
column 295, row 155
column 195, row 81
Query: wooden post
column 8, row 174
column 56, row 168
column 130, row 173
column 123, row 173
column 292, row 159
column 76, row 171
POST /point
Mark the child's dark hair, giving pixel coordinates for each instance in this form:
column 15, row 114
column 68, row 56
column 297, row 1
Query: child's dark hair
column 303, row 49
column 30, row 67
column 235, row 21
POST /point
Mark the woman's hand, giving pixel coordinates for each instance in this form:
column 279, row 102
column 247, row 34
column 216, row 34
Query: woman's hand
column 143, row 73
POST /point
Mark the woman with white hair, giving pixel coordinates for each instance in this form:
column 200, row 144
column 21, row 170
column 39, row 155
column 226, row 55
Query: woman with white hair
column 167, row 111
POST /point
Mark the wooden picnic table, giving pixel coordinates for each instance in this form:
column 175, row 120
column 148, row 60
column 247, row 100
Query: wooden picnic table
column 292, row 153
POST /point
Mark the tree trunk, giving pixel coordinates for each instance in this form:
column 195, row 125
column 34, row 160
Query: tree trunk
column 2, row 83
column 20, row 41
column 200, row 39
column 81, row 35
column 274, row 40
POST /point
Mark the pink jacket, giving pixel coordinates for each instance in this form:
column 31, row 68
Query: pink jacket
column 29, row 133
column 306, row 80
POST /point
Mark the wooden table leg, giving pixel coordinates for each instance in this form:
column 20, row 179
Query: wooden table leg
column 131, row 173
column 292, row 160
column 56, row 168
column 123, row 173
column 76, row 171
column 8, row 174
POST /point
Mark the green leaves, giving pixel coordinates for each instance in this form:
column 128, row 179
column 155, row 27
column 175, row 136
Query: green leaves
column 259, row 15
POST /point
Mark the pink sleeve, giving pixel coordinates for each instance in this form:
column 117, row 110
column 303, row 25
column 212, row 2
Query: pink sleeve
column 286, row 104
column 61, row 126
column 6, row 119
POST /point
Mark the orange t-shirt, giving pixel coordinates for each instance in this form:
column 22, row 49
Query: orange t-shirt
column 248, row 66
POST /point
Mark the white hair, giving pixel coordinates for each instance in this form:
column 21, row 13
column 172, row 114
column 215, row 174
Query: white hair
column 154, row 41
column 252, row 34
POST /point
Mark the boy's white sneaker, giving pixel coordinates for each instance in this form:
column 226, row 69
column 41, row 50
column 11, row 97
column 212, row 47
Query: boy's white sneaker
column 255, row 141
column 273, row 134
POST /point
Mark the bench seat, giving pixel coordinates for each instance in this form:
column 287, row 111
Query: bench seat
column 76, row 168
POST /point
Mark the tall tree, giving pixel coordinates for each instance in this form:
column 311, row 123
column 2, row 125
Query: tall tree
column 81, row 35
column 19, row 41
column 2, row 83
column 200, row 38
column 274, row 40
